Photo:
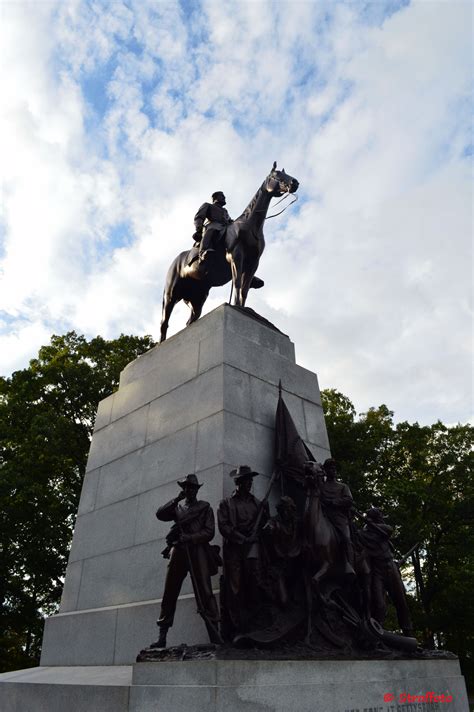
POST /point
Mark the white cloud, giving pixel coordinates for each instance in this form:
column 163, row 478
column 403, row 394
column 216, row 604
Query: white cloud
column 22, row 343
column 127, row 118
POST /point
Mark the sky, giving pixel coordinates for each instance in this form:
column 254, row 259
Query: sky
column 119, row 119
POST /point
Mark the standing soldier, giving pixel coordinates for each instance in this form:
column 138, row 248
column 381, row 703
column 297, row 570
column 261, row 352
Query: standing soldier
column 240, row 518
column 213, row 218
column 384, row 573
column 189, row 551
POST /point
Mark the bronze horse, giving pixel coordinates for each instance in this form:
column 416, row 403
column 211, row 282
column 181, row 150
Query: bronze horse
column 320, row 534
column 322, row 544
column 236, row 257
column 326, row 569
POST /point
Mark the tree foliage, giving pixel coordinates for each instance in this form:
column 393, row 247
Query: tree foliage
column 421, row 477
column 47, row 416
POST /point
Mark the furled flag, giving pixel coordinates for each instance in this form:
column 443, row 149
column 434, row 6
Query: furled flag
column 291, row 453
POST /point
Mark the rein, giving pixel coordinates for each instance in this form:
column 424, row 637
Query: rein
column 295, row 198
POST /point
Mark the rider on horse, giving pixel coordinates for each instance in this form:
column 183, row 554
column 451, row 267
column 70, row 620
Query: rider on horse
column 213, row 218
column 337, row 501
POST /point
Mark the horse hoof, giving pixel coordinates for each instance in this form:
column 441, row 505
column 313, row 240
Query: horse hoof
column 257, row 283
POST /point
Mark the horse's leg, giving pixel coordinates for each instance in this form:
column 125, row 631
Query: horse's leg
column 249, row 267
column 309, row 606
column 196, row 306
column 244, row 288
column 237, row 268
column 320, row 574
column 256, row 283
column 235, row 283
column 169, row 300
column 246, row 281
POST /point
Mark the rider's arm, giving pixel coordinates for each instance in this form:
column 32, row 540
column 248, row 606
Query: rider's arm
column 343, row 500
column 346, row 498
column 200, row 216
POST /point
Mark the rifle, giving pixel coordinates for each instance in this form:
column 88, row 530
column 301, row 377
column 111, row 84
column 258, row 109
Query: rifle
column 402, row 559
column 376, row 527
column 213, row 633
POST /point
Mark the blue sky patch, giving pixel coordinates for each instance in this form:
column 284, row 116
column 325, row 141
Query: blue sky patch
column 120, row 235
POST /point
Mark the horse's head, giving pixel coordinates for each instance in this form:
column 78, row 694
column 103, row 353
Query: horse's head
column 279, row 182
column 313, row 472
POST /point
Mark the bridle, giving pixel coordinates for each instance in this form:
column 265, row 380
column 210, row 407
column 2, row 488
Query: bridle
column 285, row 196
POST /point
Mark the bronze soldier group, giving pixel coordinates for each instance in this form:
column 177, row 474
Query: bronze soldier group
column 269, row 568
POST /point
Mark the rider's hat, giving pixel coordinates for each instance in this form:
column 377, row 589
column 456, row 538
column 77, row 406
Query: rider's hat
column 216, row 193
column 190, row 480
column 243, row 471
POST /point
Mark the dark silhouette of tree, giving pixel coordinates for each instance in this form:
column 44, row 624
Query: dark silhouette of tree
column 47, row 416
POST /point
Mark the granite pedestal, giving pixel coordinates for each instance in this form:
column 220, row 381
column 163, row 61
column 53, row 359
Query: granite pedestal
column 203, row 401
column 238, row 686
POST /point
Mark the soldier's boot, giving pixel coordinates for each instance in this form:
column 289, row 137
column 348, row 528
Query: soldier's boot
column 161, row 642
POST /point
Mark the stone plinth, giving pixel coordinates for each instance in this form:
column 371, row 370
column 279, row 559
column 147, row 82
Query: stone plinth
column 204, row 401
column 237, row 686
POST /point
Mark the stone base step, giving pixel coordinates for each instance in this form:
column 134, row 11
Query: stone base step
column 237, row 686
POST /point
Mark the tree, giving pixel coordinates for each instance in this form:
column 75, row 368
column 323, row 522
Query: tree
column 421, row 477
column 357, row 444
column 47, row 416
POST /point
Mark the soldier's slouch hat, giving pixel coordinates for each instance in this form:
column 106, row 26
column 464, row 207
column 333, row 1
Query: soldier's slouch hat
column 189, row 480
column 243, row 471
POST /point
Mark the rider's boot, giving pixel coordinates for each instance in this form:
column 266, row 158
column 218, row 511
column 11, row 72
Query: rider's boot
column 349, row 552
column 206, row 244
column 204, row 253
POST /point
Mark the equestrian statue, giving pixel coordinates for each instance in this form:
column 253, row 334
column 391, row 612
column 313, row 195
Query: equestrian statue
column 227, row 250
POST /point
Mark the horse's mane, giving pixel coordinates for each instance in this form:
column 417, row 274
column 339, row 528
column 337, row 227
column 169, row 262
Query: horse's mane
column 249, row 209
